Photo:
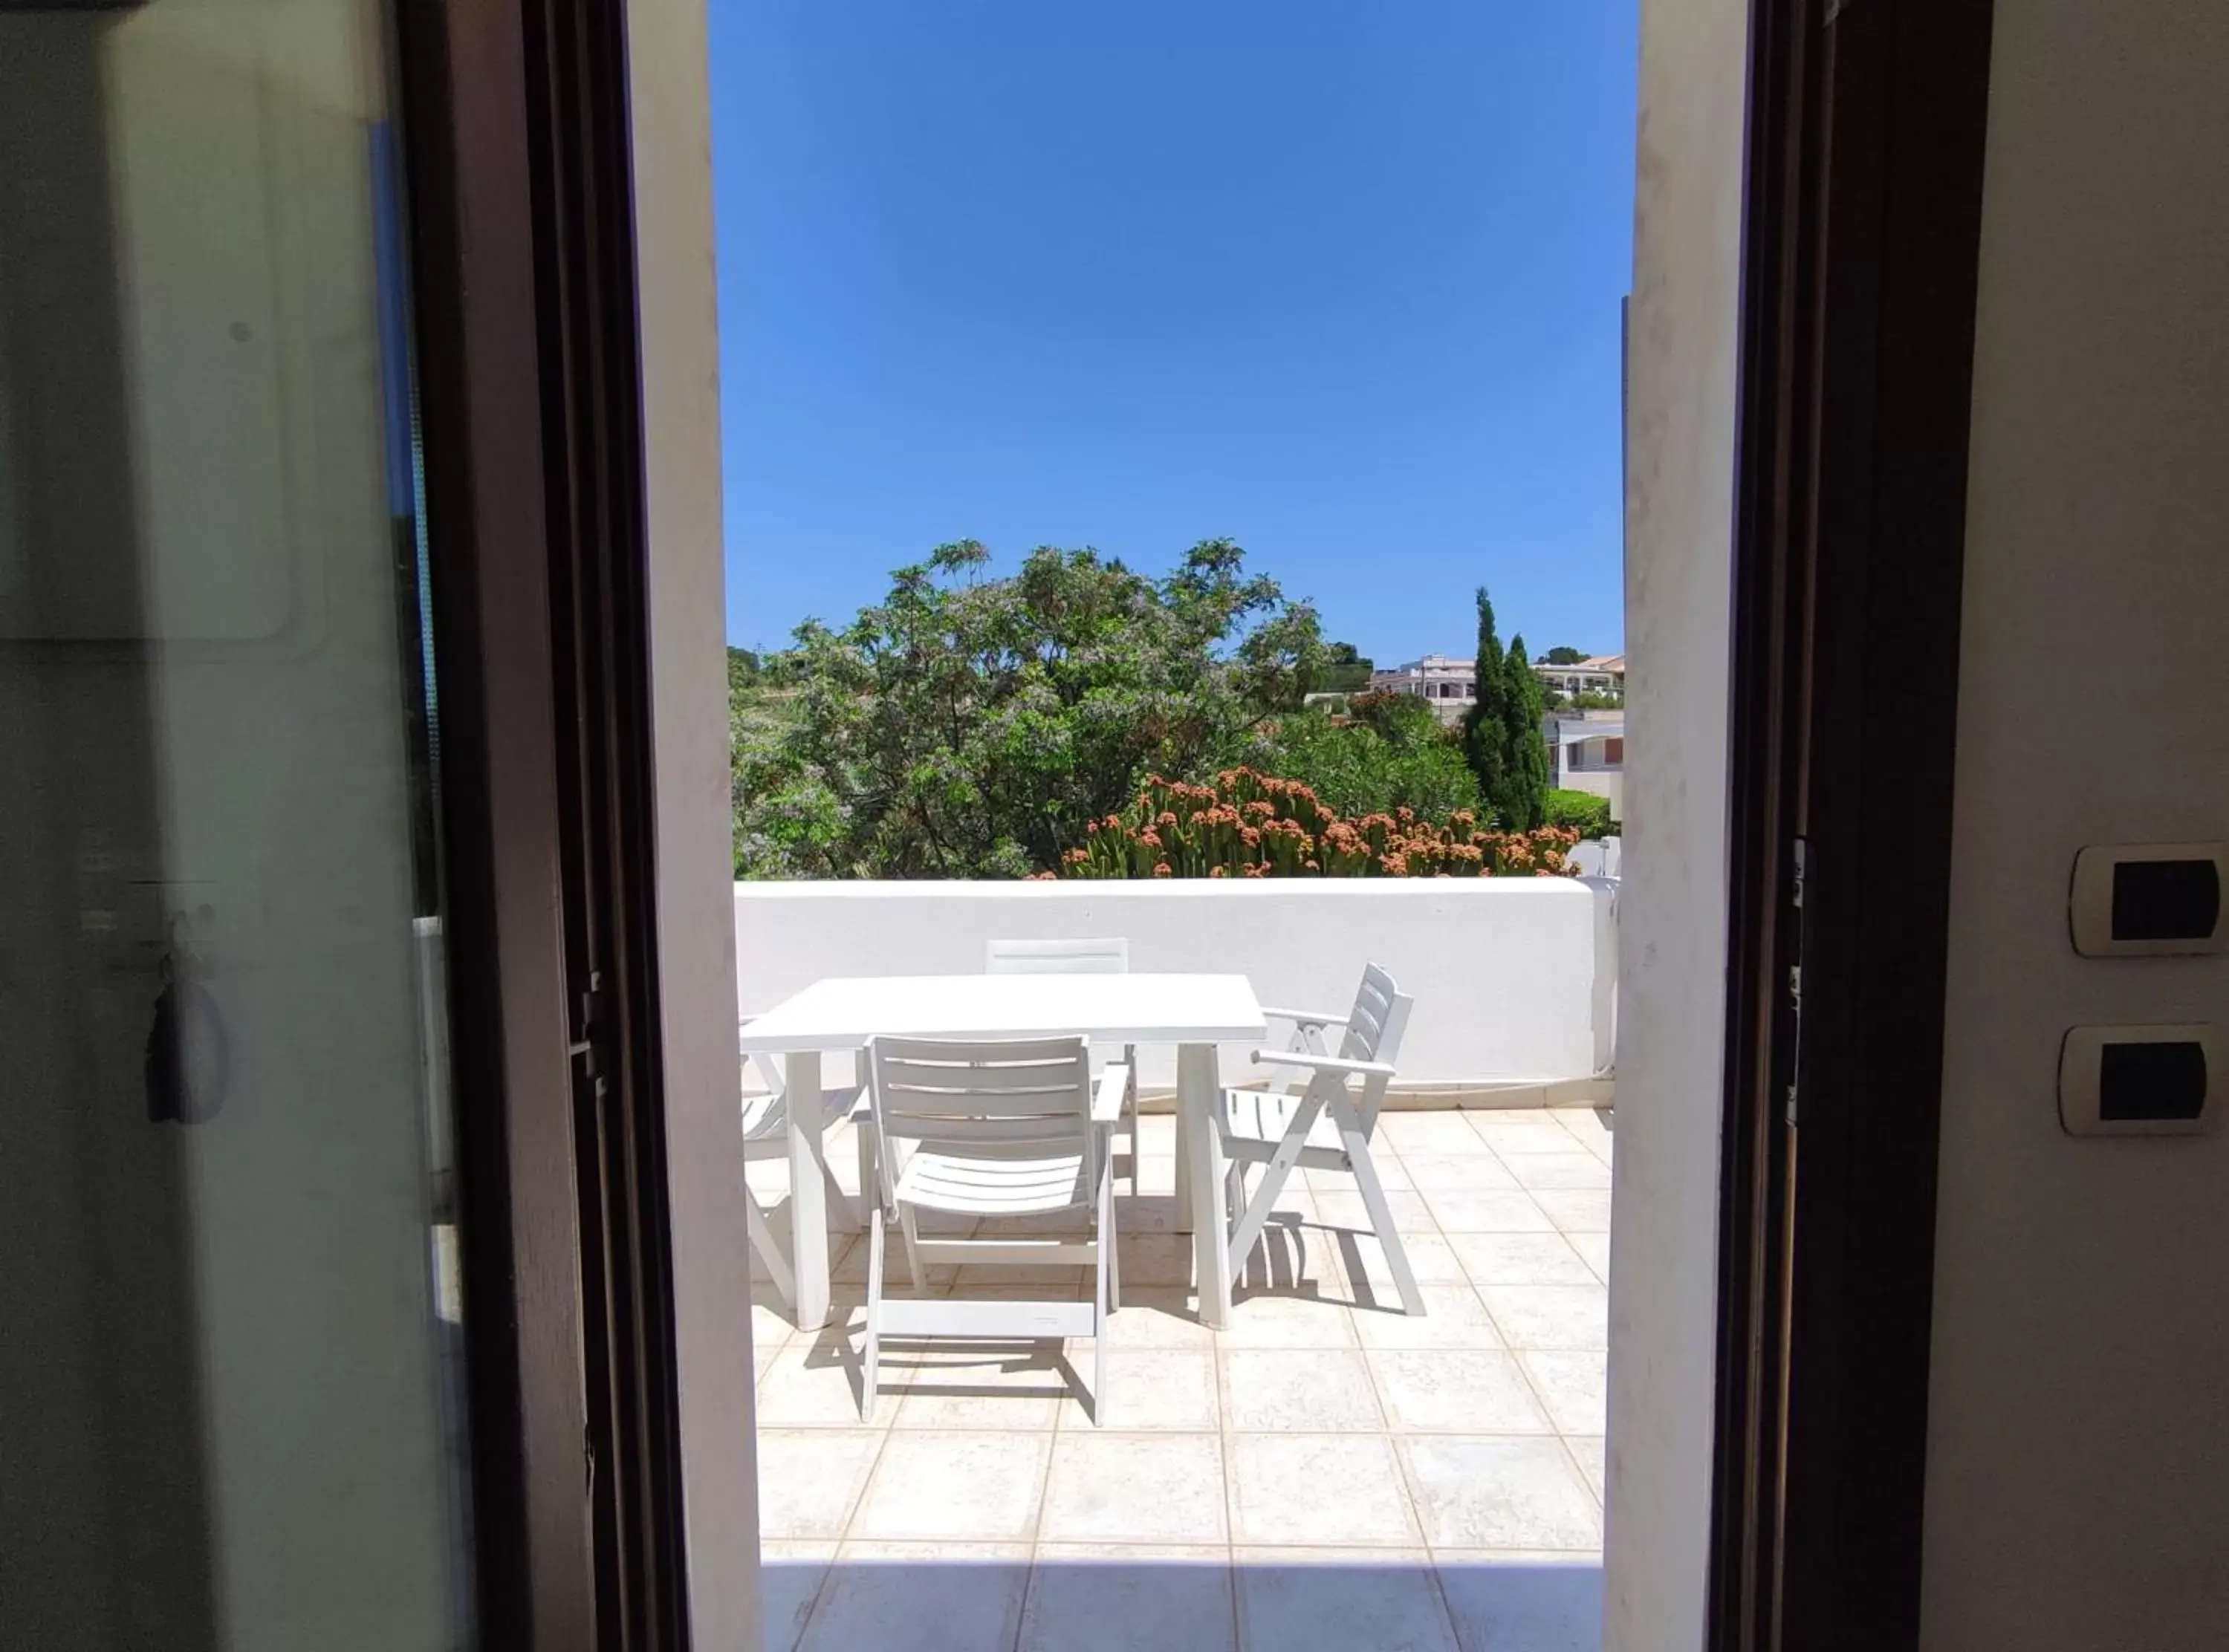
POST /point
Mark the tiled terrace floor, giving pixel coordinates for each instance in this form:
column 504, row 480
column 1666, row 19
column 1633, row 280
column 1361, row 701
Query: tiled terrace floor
column 1327, row 1473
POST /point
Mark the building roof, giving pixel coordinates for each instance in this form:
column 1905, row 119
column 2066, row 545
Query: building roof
column 1430, row 663
column 1574, row 733
column 1613, row 664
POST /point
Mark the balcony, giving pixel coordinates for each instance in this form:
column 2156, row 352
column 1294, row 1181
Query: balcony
column 1327, row 1472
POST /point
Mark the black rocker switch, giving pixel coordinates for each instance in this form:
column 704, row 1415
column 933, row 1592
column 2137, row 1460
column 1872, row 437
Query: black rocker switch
column 2134, row 1080
column 2149, row 899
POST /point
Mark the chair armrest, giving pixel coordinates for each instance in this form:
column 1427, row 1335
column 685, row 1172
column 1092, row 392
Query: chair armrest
column 1339, row 1064
column 1107, row 1099
column 1307, row 1017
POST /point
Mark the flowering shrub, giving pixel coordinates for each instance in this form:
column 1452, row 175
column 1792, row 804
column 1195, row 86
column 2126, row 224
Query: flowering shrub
column 1249, row 825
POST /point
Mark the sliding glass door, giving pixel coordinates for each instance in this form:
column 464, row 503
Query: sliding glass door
column 234, row 1320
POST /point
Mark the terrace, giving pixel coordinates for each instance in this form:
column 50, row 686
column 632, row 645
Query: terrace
column 1325, row 1464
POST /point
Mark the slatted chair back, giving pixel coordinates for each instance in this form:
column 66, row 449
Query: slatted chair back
column 1019, row 1099
column 1374, row 1029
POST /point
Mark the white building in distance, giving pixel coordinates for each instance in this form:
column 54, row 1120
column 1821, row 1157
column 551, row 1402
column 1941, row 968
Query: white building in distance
column 1451, row 684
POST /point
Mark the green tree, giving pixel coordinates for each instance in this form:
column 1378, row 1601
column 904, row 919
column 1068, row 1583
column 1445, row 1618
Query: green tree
column 969, row 726
column 1390, row 753
column 1485, row 725
column 1522, row 804
column 1344, row 670
column 1561, row 656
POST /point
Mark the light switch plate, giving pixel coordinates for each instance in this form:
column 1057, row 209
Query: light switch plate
column 2087, row 1103
column 2123, row 891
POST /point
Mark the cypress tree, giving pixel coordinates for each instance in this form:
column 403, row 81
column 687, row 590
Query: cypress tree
column 1524, row 768
column 1485, row 725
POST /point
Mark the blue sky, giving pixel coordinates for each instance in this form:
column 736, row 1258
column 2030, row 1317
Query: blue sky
column 1338, row 281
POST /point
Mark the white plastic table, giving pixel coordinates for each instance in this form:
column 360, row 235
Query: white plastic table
column 1193, row 1012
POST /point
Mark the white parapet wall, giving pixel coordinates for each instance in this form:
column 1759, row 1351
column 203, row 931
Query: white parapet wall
column 1515, row 978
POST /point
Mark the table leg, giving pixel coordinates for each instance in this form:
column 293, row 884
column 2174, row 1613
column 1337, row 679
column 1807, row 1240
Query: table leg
column 1203, row 1155
column 808, row 1191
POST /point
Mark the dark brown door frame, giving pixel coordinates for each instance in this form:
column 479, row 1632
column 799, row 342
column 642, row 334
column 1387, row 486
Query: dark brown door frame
column 513, row 123
column 1862, row 231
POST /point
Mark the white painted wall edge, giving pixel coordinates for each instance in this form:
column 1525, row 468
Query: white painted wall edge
column 679, row 319
column 1683, row 326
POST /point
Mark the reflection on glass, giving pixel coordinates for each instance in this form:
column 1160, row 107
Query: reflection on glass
column 232, row 1299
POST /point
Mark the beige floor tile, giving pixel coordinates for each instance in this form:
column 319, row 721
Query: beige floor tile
column 1157, row 1176
column 851, row 1268
column 1476, row 1171
column 1298, row 1390
column 1317, row 1489
column 1461, row 1210
column 1152, row 1316
column 1148, row 1212
column 761, row 1358
column 790, row 1576
column 1112, row 1488
column 1595, row 1247
column 1151, row 1260
column 1500, row 1493
column 1157, row 1133
column 1325, row 1554
column 771, row 1325
column 1541, row 1172
column 810, row 1481
column 1294, row 1257
column 815, row 1383
column 1549, row 1316
column 1134, row 1553
column 1345, row 1208
column 1453, row 1317
column 986, row 1386
column 1420, row 1136
column 1514, row 1132
column 1149, row 1390
column 934, row 1597
column 1392, row 1172
column 1521, row 1260
column 1275, row 1320
column 1062, row 1283
column 1338, row 1601
column 953, row 1487
column 1587, row 1450
column 1455, row 1390
column 1590, row 1127
column 1575, row 1210
column 1573, row 1386
column 1112, row 1598
column 1363, row 1260
column 878, row 1552
column 1523, row 1602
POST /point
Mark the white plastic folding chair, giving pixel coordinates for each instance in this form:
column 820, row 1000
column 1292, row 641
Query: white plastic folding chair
column 1106, row 955
column 1009, row 1129
column 766, row 1135
column 1327, row 1124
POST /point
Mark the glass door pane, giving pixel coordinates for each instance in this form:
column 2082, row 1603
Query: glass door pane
column 233, row 1344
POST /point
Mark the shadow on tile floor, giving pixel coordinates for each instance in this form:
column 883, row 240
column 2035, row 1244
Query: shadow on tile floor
column 926, row 1598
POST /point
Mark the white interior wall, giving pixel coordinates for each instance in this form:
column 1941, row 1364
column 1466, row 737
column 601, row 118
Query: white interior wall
column 2079, row 1464
column 1680, row 433
column 673, row 144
